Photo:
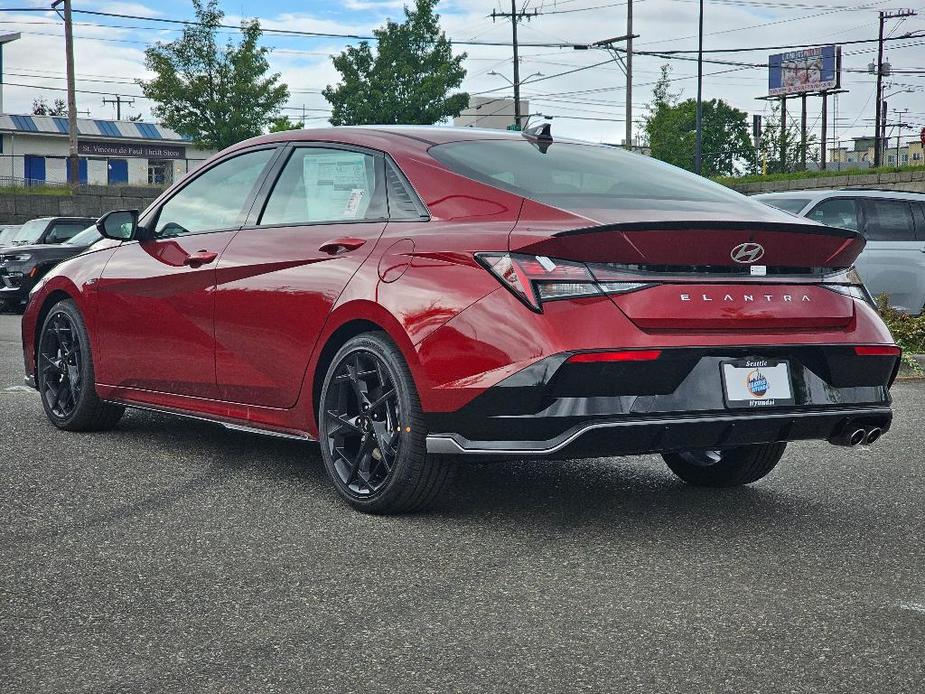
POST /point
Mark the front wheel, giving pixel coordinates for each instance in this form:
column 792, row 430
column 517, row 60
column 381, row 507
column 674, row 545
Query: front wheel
column 730, row 467
column 64, row 371
column 372, row 430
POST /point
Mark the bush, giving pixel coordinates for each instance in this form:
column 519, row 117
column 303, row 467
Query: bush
column 908, row 331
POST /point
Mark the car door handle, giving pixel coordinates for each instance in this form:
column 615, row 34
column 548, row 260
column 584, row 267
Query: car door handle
column 200, row 258
column 342, row 245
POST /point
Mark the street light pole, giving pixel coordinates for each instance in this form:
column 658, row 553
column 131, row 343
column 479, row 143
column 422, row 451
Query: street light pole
column 698, row 150
column 73, row 165
column 629, row 75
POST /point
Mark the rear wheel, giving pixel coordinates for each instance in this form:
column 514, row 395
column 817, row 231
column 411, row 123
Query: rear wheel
column 372, row 431
column 64, row 371
column 729, row 467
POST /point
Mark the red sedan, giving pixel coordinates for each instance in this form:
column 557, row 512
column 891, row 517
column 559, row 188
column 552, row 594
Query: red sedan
column 413, row 297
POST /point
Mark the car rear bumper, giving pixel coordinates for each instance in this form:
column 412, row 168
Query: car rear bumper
column 676, row 402
column 631, row 436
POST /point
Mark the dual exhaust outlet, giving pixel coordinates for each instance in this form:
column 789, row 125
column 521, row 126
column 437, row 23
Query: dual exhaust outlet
column 856, row 435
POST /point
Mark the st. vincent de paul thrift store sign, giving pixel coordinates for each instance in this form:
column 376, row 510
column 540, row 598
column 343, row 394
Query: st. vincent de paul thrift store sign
column 95, row 148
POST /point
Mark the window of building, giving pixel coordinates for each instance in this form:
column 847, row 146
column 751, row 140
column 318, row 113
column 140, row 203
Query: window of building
column 905, row 158
column 916, row 156
column 160, row 172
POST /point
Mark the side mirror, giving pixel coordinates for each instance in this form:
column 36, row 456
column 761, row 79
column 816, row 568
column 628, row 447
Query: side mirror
column 120, row 225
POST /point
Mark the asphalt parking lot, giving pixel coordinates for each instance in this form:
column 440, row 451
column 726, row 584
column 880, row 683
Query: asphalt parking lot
column 173, row 555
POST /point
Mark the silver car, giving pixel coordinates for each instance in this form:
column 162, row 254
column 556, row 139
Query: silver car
column 893, row 222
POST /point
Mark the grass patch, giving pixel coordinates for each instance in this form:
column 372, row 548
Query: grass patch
column 799, row 175
column 61, row 191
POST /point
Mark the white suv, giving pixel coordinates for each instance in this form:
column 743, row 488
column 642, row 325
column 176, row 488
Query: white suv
column 893, row 222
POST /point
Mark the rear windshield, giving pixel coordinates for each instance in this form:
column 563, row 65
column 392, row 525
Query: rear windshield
column 791, row 205
column 575, row 176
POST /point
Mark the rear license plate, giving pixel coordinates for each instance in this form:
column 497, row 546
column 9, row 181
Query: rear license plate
column 757, row 383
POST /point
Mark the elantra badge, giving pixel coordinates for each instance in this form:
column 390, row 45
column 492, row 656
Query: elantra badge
column 747, row 252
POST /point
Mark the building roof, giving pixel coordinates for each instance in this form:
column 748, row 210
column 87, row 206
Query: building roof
column 90, row 127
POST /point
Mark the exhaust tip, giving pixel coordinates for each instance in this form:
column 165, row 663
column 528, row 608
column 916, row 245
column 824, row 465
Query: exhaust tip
column 857, row 437
column 873, row 435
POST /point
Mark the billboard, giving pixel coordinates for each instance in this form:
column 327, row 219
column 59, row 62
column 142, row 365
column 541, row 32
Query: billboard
column 806, row 70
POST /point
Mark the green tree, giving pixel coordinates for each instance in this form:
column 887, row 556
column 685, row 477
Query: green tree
column 773, row 138
column 283, row 123
column 407, row 80
column 41, row 107
column 671, row 131
column 217, row 95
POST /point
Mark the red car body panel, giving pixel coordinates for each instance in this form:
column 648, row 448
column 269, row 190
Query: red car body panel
column 241, row 339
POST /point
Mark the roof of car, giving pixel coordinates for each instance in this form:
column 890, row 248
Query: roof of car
column 819, row 193
column 389, row 137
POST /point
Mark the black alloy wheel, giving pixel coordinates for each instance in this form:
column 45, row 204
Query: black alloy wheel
column 363, row 423
column 372, row 432
column 60, row 365
column 65, row 375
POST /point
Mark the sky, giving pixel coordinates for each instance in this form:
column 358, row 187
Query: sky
column 587, row 103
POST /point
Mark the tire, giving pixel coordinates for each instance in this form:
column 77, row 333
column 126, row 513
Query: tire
column 64, row 372
column 731, row 467
column 373, row 443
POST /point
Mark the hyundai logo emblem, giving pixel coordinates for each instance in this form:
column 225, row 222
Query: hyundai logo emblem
column 747, row 252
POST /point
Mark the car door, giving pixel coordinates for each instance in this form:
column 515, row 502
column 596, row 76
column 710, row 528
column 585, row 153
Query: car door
column 891, row 263
column 281, row 275
column 156, row 295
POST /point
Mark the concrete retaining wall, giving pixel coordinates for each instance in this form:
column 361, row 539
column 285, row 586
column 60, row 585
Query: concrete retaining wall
column 86, row 201
column 913, row 181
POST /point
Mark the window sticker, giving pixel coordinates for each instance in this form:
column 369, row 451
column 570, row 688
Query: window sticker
column 336, row 185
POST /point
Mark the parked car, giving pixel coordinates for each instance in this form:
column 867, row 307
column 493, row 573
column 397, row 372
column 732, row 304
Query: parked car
column 49, row 230
column 7, row 232
column 22, row 266
column 412, row 297
column 893, row 262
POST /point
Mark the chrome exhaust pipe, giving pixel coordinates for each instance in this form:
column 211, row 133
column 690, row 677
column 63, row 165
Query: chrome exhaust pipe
column 873, row 435
column 849, row 437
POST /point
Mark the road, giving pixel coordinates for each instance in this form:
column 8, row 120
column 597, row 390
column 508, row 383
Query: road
column 175, row 556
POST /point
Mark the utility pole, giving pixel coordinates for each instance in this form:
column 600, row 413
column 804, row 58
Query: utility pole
column 73, row 165
column 698, row 147
column 629, row 75
column 515, row 18
column 879, row 120
column 823, row 152
column 803, row 135
column 118, row 101
column 899, row 130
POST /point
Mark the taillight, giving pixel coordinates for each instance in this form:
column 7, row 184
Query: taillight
column 536, row 279
column 877, row 351
column 849, row 283
column 615, row 356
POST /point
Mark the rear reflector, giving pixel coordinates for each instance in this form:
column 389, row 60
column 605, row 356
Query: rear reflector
column 877, row 351
column 633, row 355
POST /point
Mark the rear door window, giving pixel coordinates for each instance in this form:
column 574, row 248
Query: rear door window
column 319, row 184
column 837, row 212
column 888, row 220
